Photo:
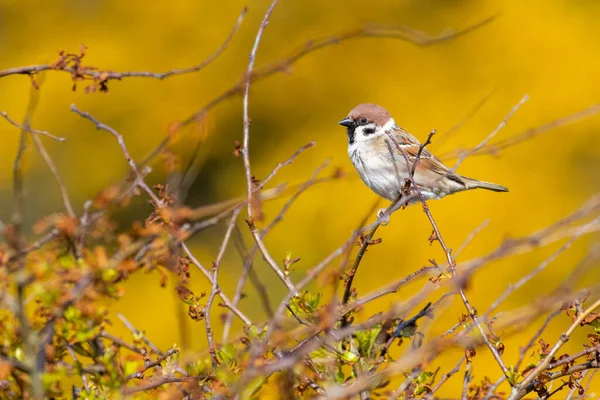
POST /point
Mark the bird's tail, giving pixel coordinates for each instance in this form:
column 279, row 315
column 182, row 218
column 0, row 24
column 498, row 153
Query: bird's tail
column 475, row 184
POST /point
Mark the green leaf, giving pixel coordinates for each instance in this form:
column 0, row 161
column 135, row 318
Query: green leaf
column 513, row 376
column 72, row 314
column 366, row 340
column 339, row 376
column 109, row 275
column 66, row 261
column 227, row 354
column 349, row 357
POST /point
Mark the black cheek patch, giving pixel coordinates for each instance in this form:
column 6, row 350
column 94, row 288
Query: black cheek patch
column 368, row 131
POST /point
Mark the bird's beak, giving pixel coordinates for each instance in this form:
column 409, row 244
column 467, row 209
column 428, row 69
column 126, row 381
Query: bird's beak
column 347, row 122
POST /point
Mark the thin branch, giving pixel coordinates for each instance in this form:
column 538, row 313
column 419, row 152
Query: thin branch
column 283, row 164
column 154, row 384
column 466, row 380
column 151, row 364
column 83, row 225
column 550, row 377
column 444, row 378
column 495, row 148
column 121, row 141
column 246, row 142
column 31, row 130
column 140, row 334
column 489, row 137
column 523, row 350
column 226, row 302
column 215, row 288
column 521, row 388
column 514, row 286
column 365, row 242
column 246, row 156
column 470, row 238
column 248, row 260
column 105, row 75
column 16, row 364
column 64, row 194
column 447, row 251
column 492, row 390
column 575, row 387
column 120, row 342
column 369, row 31
column 441, row 138
column 567, row 360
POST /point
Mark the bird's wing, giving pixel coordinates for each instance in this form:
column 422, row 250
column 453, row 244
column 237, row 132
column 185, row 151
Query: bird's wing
column 428, row 163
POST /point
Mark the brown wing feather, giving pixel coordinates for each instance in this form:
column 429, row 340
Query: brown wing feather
column 428, row 163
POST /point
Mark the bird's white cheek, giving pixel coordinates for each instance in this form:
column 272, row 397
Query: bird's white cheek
column 359, row 135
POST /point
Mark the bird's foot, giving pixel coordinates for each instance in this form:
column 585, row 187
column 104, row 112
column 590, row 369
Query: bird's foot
column 383, row 217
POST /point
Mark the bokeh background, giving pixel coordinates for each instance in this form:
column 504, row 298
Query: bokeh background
column 545, row 48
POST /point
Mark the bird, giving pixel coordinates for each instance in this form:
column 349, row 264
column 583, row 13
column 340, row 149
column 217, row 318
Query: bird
column 384, row 155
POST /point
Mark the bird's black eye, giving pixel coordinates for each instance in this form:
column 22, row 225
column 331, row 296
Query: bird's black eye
column 363, row 121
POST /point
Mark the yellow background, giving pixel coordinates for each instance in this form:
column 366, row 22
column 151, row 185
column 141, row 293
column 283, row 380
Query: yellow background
column 547, row 49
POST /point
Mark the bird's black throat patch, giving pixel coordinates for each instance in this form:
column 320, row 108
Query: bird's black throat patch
column 351, row 134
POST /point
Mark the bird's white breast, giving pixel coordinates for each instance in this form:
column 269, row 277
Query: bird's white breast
column 383, row 171
column 376, row 171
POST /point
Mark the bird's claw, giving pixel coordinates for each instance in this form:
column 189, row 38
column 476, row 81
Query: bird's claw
column 383, row 217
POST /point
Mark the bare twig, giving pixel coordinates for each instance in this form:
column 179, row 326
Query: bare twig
column 492, row 390
column 489, row 137
column 140, row 334
column 215, row 288
column 226, row 302
column 64, row 194
column 523, row 350
column 445, row 377
column 441, row 138
column 495, row 148
column 248, row 261
column 512, row 287
column 105, row 75
column 246, row 155
column 31, row 130
column 519, row 390
column 283, row 164
column 151, row 364
column 154, row 384
column 121, row 141
column 246, row 142
column 470, row 238
column 247, row 273
column 439, row 238
column 369, row 31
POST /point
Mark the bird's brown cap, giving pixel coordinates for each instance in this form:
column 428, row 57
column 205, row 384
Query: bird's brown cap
column 372, row 113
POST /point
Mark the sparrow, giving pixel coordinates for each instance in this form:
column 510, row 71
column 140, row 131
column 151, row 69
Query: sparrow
column 384, row 154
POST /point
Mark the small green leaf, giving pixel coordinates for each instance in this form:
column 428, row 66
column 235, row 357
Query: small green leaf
column 349, row 357
column 366, row 340
column 72, row 314
column 339, row 376
column 227, row 354
column 66, row 261
column 109, row 275
column 513, row 376
column 19, row 353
